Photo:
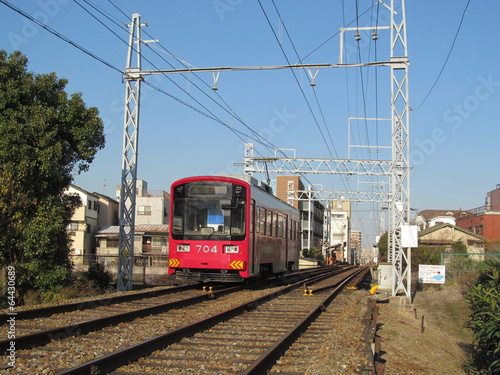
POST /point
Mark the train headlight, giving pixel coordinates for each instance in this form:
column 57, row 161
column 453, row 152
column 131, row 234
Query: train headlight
column 183, row 248
column 231, row 249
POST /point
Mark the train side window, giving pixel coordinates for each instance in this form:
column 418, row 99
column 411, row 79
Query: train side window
column 280, row 225
column 269, row 221
column 257, row 219
column 275, row 224
column 263, row 220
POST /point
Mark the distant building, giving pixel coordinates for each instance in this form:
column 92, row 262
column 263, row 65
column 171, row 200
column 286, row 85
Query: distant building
column 492, row 201
column 150, row 250
column 108, row 211
column 428, row 218
column 484, row 220
column 311, row 211
column 355, row 247
column 149, row 239
column 443, row 235
column 337, row 234
column 151, row 206
column 83, row 225
column 96, row 211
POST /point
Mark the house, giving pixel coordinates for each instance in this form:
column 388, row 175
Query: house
column 149, row 239
column 150, row 250
column 108, row 211
column 445, row 234
column 428, row 218
column 151, row 206
column 83, row 226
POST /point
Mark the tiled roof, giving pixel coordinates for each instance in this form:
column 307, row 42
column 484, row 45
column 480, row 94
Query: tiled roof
column 444, row 225
column 139, row 229
column 431, row 214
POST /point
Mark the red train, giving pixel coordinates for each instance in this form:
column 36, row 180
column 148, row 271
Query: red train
column 230, row 229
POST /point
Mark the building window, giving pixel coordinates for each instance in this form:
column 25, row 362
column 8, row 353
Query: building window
column 144, row 210
column 96, row 206
column 112, row 242
column 89, row 204
column 73, row 226
column 89, row 228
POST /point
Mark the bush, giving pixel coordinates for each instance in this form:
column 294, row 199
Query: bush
column 97, row 273
column 462, row 270
column 484, row 301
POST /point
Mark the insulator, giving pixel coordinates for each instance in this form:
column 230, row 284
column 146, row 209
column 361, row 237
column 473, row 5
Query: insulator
column 357, row 37
column 374, row 35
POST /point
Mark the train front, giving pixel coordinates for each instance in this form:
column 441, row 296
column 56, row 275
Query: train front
column 209, row 229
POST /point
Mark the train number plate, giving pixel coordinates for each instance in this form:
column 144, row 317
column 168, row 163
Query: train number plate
column 206, row 249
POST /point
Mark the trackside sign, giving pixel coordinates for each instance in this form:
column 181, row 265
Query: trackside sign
column 430, row 274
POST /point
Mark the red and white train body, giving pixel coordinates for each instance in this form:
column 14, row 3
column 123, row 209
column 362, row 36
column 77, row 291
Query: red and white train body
column 230, row 229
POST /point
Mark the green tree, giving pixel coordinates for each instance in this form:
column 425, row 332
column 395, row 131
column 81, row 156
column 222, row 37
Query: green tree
column 383, row 246
column 484, row 301
column 46, row 136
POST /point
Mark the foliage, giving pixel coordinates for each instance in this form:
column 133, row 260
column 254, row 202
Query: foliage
column 313, row 253
column 484, row 301
column 383, row 246
column 459, row 247
column 97, row 273
column 46, row 136
column 424, row 254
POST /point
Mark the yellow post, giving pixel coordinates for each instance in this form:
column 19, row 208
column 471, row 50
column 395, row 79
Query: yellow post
column 373, row 289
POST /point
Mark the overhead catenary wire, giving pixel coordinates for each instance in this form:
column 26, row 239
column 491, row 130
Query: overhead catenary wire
column 207, row 114
column 446, row 60
column 257, row 138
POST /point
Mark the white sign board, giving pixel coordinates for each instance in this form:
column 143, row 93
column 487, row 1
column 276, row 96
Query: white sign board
column 409, row 235
column 429, row 274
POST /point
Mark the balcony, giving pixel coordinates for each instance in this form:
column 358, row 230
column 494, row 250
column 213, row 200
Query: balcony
column 483, row 210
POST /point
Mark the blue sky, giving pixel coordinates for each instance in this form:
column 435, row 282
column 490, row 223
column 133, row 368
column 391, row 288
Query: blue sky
column 454, row 133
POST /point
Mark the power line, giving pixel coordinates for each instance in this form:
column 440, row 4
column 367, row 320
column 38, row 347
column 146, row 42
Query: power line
column 447, row 57
column 62, row 37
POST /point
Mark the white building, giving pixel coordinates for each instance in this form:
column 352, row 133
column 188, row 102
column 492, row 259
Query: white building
column 151, row 206
column 338, row 229
column 429, row 218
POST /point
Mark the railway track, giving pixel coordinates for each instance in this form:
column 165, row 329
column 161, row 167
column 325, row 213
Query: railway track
column 139, row 332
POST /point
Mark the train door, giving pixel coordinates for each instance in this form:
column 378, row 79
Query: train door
column 251, row 242
column 285, row 237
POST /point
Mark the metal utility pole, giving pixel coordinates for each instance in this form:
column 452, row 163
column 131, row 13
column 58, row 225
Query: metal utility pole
column 399, row 207
column 132, row 79
column 397, row 170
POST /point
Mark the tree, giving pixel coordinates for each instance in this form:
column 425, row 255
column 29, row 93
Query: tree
column 46, row 136
column 383, row 246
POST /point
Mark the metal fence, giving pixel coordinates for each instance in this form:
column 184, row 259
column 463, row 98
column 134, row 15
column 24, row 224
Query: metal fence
column 148, row 269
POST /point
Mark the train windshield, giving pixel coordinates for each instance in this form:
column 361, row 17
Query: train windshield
column 209, row 210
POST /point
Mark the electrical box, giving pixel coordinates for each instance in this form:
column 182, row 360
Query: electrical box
column 385, row 276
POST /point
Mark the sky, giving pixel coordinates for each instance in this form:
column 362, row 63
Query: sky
column 188, row 129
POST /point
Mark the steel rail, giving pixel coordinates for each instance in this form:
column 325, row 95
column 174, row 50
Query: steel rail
column 92, row 303
column 120, row 358
column 262, row 364
column 42, row 338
